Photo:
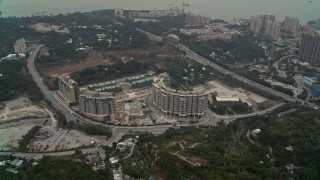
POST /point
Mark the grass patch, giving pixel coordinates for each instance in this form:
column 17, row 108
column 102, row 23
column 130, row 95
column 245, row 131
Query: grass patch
column 23, row 143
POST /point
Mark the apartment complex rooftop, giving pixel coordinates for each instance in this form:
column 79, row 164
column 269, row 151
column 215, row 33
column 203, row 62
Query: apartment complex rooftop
column 137, row 81
column 97, row 95
column 66, row 78
column 160, row 83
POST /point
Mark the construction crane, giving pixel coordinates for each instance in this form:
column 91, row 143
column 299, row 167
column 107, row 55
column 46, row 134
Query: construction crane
column 185, row 5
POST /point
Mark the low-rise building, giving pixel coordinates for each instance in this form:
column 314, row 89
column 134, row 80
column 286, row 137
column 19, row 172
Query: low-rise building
column 308, row 81
column 315, row 90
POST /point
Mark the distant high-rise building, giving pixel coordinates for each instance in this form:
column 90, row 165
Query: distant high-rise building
column 291, row 24
column 273, row 30
column 255, row 24
column 265, row 19
column 192, row 19
column 310, row 48
column 272, row 17
column 134, row 14
column 118, row 13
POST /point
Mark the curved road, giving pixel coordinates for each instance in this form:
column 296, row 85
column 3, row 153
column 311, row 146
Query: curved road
column 70, row 114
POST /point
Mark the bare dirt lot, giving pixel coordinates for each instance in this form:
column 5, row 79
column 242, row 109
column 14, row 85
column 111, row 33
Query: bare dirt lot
column 225, row 91
column 10, row 135
column 21, row 108
column 49, row 137
column 197, row 160
column 95, row 58
column 44, row 28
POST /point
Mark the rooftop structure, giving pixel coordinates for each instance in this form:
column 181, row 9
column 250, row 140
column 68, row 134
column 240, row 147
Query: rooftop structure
column 114, row 86
column 14, row 57
column 315, row 89
column 175, row 102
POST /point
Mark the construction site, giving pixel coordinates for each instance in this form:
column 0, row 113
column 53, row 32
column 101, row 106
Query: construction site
column 19, row 116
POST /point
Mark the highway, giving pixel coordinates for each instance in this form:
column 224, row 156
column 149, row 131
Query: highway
column 192, row 55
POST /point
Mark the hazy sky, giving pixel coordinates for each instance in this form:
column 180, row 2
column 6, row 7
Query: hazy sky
column 226, row 9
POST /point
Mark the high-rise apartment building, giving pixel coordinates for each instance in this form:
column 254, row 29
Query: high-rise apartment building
column 192, row 19
column 272, row 17
column 69, row 89
column 20, row 46
column 291, row 24
column 310, row 48
column 99, row 106
column 178, row 103
column 118, row 13
column 255, row 24
column 265, row 19
column 273, row 30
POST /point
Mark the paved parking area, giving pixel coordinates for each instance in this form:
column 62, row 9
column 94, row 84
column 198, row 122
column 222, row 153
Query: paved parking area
column 52, row 139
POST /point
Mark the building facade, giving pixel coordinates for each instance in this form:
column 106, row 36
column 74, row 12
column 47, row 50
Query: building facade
column 155, row 13
column 99, row 106
column 192, row 19
column 273, row 30
column 118, row 13
column 310, row 49
column 255, row 24
column 178, row 103
column 20, row 46
column 265, row 19
column 291, row 24
column 69, row 89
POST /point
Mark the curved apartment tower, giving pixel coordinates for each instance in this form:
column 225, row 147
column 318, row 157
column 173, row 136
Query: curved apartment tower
column 178, row 103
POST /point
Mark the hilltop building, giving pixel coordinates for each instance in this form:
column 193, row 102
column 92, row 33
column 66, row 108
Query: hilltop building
column 99, row 106
column 310, row 49
column 20, row 46
column 155, row 13
column 192, row 19
column 69, row 89
column 118, row 13
column 175, row 102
